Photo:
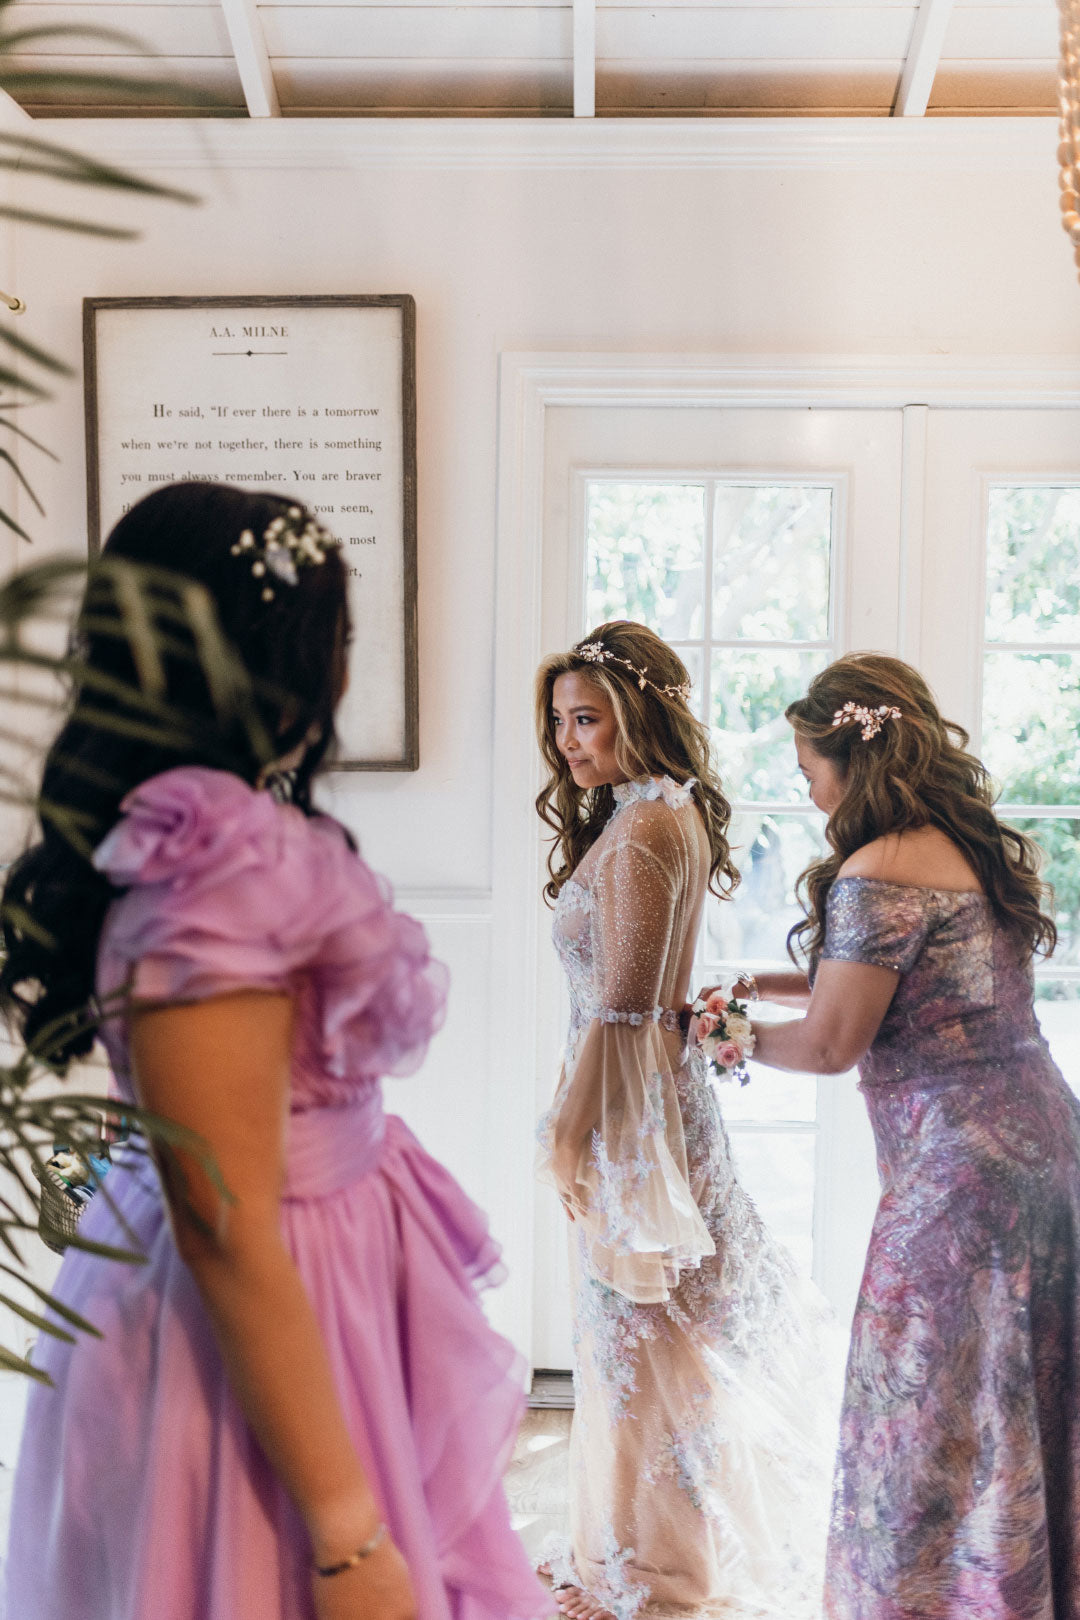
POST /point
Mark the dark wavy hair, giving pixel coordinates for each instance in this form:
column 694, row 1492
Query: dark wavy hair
column 293, row 650
column 656, row 735
column 915, row 772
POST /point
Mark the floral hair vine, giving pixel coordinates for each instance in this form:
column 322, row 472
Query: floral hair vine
column 290, row 542
column 871, row 720
column 594, row 652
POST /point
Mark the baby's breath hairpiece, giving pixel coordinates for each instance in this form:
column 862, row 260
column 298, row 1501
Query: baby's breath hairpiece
column 871, row 720
column 290, row 542
column 594, row 652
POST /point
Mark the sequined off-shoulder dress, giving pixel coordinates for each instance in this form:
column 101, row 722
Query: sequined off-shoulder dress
column 958, row 1480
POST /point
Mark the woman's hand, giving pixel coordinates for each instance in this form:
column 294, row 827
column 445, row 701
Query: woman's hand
column 738, row 990
column 785, row 989
column 378, row 1588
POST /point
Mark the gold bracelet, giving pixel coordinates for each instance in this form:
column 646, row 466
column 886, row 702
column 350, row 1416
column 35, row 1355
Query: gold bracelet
column 749, row 980
column 354, row 1558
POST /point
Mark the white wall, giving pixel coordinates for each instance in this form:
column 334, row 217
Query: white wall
column 852, row 238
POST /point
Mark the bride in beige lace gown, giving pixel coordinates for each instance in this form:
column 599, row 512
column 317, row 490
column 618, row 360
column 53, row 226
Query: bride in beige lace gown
column 702, row 1440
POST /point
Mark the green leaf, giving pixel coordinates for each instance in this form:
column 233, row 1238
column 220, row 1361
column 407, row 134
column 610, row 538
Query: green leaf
column 5, row 455
column 32, row 352
column 21, row 919
column 42, row 1323
column 56, row 1305
column 87, row 177
column 13, row 427
column 10, row 1362
column 107, row 1251
column 20, row 38
column 9, row 522
column 77, row 227
column 12, row 379
column 163, row 91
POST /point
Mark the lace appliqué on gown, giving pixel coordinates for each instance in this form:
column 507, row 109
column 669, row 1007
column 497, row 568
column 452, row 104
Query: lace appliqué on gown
column 699, row 1461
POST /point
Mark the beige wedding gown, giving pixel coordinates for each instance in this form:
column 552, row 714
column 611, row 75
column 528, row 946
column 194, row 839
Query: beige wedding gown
column 703, row 1431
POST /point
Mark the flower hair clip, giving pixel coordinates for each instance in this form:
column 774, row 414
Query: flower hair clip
column 289, row 543
column 594, row 652
column 871, row 720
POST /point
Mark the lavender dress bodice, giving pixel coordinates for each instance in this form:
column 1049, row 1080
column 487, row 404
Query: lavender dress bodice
column 228, row 890
column 963, row 1006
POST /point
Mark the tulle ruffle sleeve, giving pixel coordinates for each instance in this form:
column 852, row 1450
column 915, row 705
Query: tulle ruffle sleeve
column 613, row 1143
column 226, row 890
column 881, row 924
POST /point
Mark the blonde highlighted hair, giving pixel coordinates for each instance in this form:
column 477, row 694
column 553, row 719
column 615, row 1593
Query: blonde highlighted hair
column 656, row 735
column 910, row 771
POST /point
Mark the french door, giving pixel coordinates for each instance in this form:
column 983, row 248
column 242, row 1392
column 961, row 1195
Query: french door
column 761, row 543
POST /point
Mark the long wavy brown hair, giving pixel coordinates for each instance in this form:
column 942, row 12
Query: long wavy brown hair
column 915, row 772
column 656, row 735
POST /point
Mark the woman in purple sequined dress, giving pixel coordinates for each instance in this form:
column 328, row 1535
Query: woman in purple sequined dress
column 957, row 1493
column 302, row 1375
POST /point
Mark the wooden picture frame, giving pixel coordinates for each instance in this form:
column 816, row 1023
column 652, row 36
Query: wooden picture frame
column 171, row 393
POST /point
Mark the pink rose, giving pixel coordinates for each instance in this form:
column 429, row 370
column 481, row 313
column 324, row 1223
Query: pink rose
column 704, row 1027
column 728, row 1055
column 717, row 1004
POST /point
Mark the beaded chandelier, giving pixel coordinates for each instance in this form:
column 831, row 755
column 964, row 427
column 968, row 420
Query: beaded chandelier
column 1069, row 128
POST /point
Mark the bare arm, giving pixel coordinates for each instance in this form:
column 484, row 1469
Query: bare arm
column 783, row 989
column 221, row 1068
column 849, row 1001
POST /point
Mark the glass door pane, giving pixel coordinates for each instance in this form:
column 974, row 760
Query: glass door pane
column 759, row 543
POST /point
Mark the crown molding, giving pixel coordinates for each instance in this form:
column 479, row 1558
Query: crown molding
column 639, row 144
column 863, row 381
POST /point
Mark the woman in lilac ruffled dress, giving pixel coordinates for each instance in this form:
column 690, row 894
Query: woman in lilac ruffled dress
column 296, row 1407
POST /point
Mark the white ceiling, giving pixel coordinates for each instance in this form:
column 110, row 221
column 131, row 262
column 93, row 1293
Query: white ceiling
column 688, row 57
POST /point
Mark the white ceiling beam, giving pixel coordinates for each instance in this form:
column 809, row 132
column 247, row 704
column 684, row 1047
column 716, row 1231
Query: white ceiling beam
column 252, row 58
column 584, row 58
column 924, row 54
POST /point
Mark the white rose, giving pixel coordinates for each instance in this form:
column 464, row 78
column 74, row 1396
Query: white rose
column 738, row 1027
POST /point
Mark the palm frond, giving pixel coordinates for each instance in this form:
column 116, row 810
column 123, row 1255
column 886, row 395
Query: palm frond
column 29, row 157
column 21, row 433
column 159, row 616
column 77, row 227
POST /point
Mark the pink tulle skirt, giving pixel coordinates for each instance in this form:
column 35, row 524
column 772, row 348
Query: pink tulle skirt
column 141, row 1493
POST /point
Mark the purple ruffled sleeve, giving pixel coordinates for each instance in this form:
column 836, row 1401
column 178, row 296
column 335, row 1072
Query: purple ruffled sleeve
column 226, row 890
column 384, row 996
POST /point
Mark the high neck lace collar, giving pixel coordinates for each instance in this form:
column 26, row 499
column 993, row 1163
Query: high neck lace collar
column 649, row 787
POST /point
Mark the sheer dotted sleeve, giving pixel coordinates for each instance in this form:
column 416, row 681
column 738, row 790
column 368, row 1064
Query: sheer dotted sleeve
column 615, row 1146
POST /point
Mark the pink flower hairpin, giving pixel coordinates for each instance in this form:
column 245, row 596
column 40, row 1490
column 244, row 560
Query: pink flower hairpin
column 871, row 720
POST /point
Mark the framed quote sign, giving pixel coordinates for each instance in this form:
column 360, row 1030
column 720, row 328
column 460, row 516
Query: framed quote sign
column 314, row 397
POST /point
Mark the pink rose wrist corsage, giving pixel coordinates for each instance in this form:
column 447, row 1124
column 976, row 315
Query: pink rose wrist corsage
column 724, row 1033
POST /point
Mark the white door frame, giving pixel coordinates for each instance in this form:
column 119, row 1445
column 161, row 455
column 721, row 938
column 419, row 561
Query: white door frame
column 529, row 385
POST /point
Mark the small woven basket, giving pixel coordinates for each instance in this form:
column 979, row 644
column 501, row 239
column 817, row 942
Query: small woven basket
column 58, row 1213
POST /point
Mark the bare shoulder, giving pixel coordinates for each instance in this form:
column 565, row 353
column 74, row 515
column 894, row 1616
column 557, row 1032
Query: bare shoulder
column 924, row 857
